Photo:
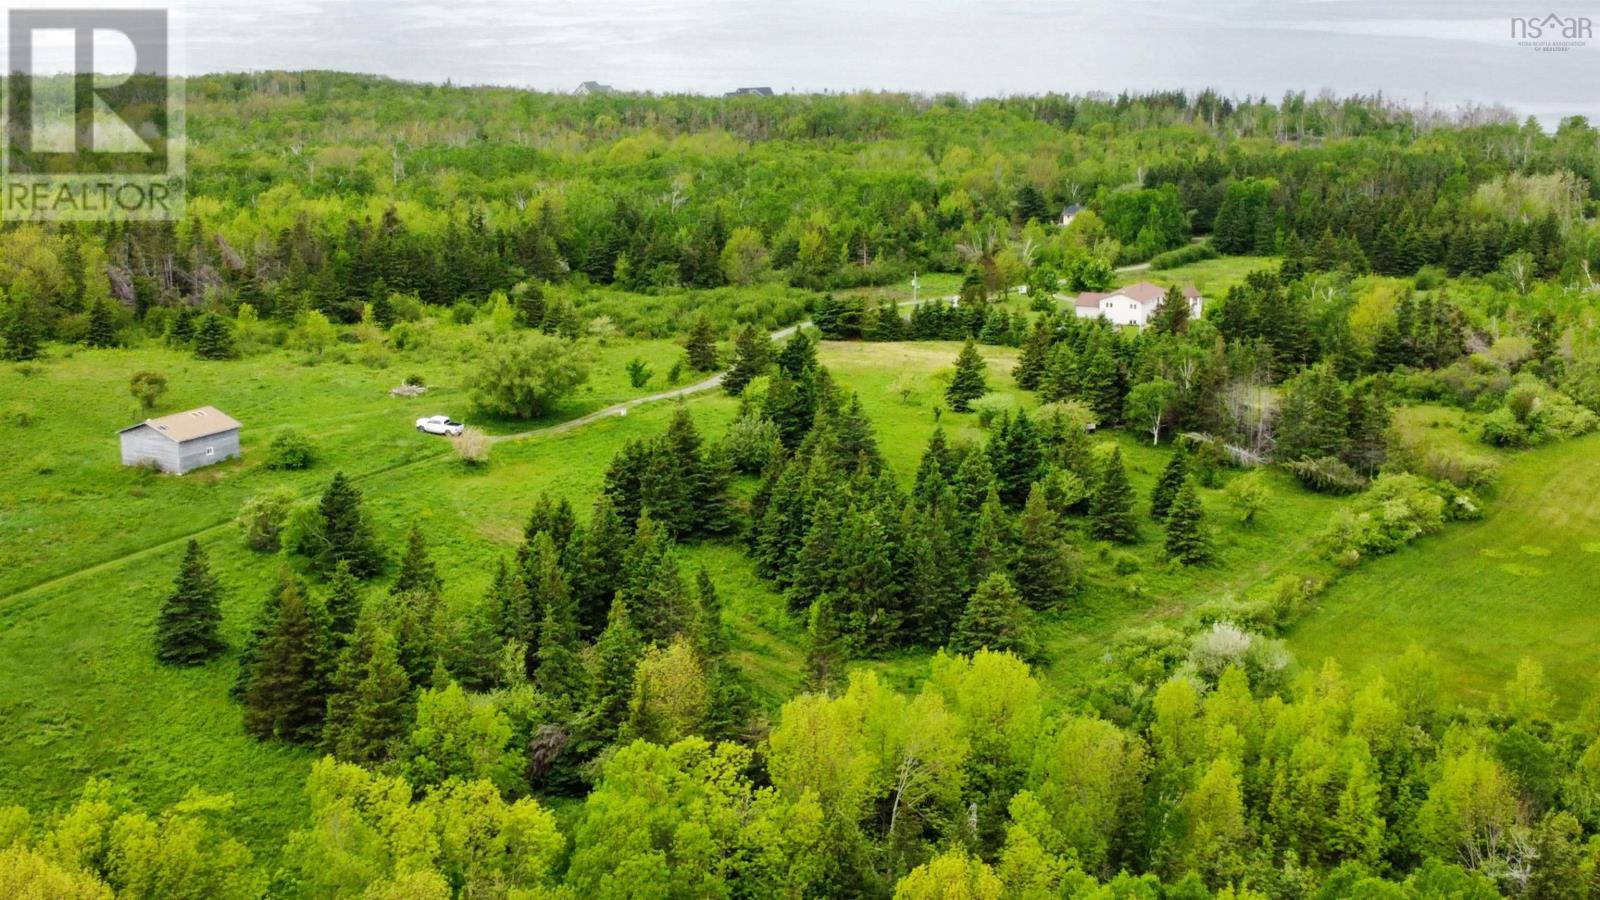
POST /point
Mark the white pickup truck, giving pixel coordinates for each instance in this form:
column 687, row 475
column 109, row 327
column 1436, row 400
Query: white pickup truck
column 440, row 425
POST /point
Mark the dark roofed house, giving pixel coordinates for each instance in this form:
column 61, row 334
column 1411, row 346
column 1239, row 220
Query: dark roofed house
column 1070, row 213
column 751, row 92
column 182, row 442
column 593, row 87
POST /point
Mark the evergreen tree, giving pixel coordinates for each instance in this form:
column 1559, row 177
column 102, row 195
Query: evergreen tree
column 968, row 383
column 544, row 586
column 286, row 697
column 1172, row 315
column 559, row 675
column 21, row 332
column 1168, row 485
column 827, row 646
column 616, row 658
column 1045, row 569
column 935, row 469
column 1367, row 435
column 1036, row 351
column 346, row 535
column 712, row 634
column 102, row 326
column 213, row 339
column 701, row 345
column 187, row 629
column 382, row 308
column 1111, row 506
column 995, row 619
column 751, row 356
column 657, row 599
column 417, row 572
column 344, row 601
column 597, row 566
column 929, row 571
column 625, row 479
column 266, row 616
column 1017, row 458
column 991, row 545
column 1313, row 417
column 1031, row 206
column 369, row 702
column 1187, row 540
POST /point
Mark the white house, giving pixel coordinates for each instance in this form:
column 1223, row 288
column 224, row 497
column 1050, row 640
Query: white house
column 1070, row 213
column 1133, row 304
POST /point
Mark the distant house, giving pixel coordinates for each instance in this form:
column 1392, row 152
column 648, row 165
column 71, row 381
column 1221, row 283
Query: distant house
column 182, row 442
column 750, row 92
column 1070, row 213
column 593, row 87
column 1133, row 304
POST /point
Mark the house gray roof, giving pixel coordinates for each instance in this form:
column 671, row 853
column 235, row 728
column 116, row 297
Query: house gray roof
column 190, row 424
column 1143, row 292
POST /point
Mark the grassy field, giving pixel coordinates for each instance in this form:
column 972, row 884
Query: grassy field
column 1212, row 277
column 90, row 550
column 1520, row 582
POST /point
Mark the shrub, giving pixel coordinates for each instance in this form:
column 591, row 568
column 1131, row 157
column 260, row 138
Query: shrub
column 1326, row 475
column 524, row 375
column 290, row 450
column 1458, row 469
column 1182, row 256
column 262, row 518
column 147, row 387
column 41, row 463
column 638, row 372
column 1248, row 496
column 414, row 380
column 18, row 415
column 471, row 446
column 751, row 442
column 1398, row 509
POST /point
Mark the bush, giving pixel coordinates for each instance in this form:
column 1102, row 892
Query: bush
column 471, row 446
column 290, row 450
column 147, row 387
column 1397, row 510
column 1247, row 495
column 525, row 375
column 1326, row 475
column 414, row 380
column 262, row 518
column 751, row 442
column 1457, row 469
column 18, row 415
column 1182, row 256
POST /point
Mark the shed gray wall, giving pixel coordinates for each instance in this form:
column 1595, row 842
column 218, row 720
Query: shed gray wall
column 193, row 454
column 143, row 442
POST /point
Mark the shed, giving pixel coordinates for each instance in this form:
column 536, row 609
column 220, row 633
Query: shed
column 182, row 442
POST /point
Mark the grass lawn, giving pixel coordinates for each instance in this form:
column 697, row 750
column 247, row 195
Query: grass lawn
column 1520, row 582
column 1212, row 277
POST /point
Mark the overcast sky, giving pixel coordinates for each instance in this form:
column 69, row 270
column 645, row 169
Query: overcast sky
column 1444, row 52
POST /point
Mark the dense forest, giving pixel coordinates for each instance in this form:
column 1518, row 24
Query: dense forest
column 591, row 723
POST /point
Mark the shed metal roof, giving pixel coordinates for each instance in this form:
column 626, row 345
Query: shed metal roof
column 190, row 424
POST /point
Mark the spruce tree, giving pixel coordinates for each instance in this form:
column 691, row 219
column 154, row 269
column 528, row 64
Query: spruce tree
column 1045, row 568
column 935, row 468
column 187, row 629
column 344, row 601
column 213, row 339
column 1017, row 457
column 827, row 648
column 597, row 566
column 1111, row 506
column 20, row 335
column 657, row 600
column 346, row 535
column 266, row 616
column 625, row 479
column 712, row 634
column 382, row 308
column 102, row 330
column 751, row 356
column 286, row 697
column 1167, row 486
column 929, row 571
column 995, row 619
column 559, row 675
column 616, row 658
column 544, row 584
column 417, row 571
column 1035, row 359
column 1313, row 418
column 1187, row 540
column 991, row 545
column 968, row 383
column 701, row 345
column 1172, row 315
column 369, row 702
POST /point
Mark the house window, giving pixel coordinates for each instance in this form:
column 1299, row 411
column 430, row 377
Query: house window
column 211, row 451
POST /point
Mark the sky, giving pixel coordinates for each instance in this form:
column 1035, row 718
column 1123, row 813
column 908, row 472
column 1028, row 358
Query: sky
column 1443, row 53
